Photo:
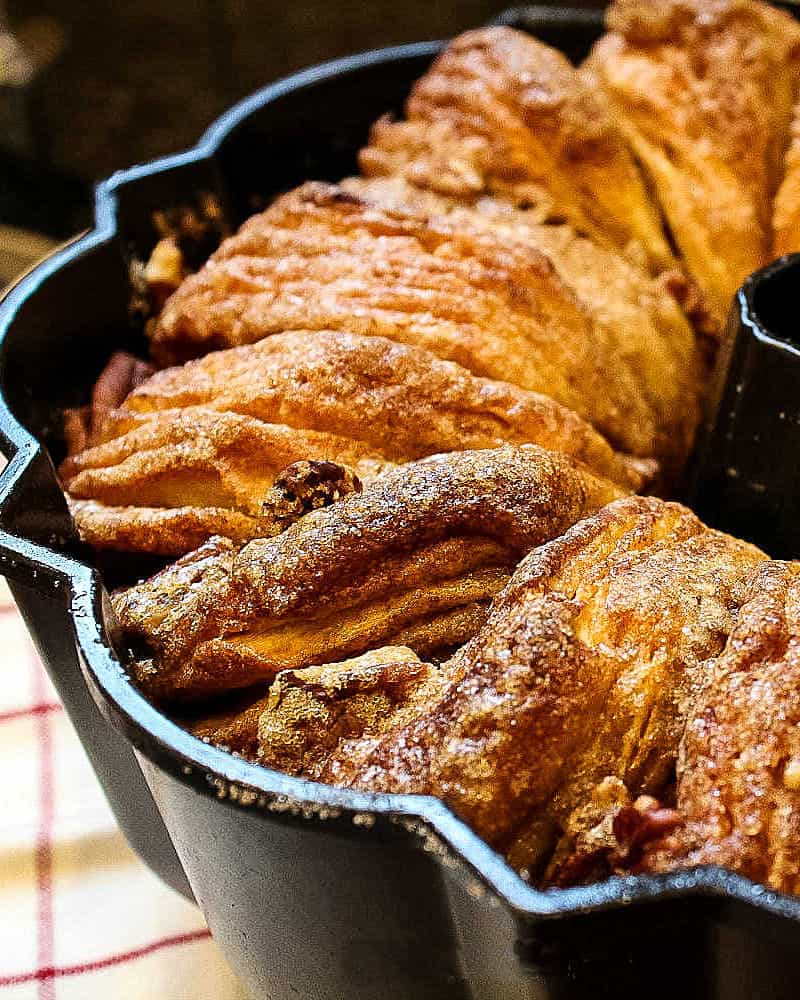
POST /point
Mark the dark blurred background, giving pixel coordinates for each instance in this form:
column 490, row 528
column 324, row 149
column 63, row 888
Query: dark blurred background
column 90, row 86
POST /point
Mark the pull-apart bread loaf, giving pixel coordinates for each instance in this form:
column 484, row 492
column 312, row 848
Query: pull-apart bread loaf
column 396, row 451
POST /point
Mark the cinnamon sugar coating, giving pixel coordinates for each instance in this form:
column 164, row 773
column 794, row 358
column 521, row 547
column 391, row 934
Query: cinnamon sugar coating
column 202, row 449
column 413, row 560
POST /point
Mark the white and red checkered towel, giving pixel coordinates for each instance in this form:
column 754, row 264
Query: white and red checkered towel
column 80, row 916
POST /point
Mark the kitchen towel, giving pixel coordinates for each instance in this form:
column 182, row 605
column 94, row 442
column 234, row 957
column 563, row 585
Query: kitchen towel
column 80, row 916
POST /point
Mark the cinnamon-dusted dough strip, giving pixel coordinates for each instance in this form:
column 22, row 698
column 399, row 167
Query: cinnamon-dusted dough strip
column 659, row 342
column 162, row 531
column 704, row 92
column 356, row 258
column 503, row 114
column 419, row 554
column 200, row 450
column 582, row 675
column 738, row 783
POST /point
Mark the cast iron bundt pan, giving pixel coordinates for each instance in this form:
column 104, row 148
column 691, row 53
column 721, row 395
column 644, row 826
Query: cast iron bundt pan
column 318, row 892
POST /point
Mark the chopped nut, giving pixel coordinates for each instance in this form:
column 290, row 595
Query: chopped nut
column 306, row 486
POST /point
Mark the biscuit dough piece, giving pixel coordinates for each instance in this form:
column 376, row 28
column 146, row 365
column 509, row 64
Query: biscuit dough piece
column 414, row 560
column 503, row 114
column 704, row 93
column 738, row 777
column 352, row 258
column 203, row 449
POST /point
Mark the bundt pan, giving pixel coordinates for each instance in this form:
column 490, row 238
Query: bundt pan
column 318, row 892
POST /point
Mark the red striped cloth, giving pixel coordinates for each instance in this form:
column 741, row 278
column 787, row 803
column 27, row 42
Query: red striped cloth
column 80, row 916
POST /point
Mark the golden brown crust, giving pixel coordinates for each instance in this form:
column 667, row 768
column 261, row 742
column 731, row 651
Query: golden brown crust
column 301, row 487
column 482, row 295
column 500, row 736
column 704, row 91
column 309, row 712
column 399, row 402
column 748, row 53
column 615, row 622
column 501, row 113
column 202, row 457
column 642, row 311
column 195, row 451
column 161, row 531
column 786, row 217
column 739, row 767
column 415, row 552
